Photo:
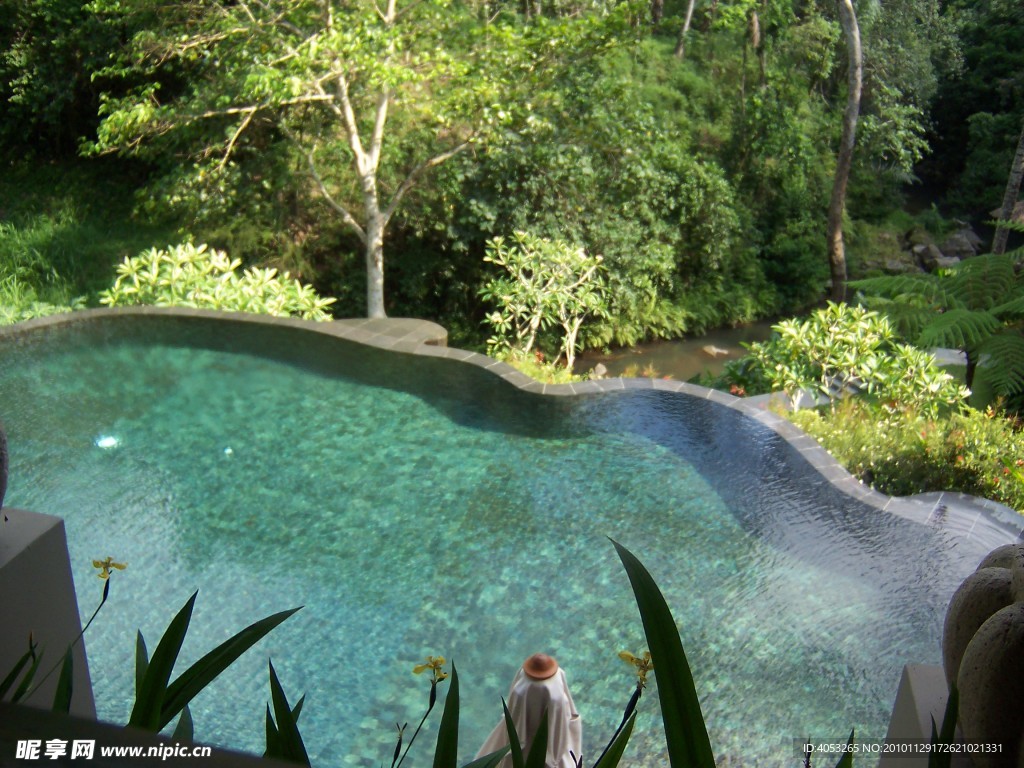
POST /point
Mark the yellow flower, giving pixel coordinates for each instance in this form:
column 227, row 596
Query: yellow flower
column 435, row 665
column 642, row 663
column 106, row 565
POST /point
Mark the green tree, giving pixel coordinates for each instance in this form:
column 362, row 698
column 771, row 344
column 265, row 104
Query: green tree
column 50, row 53
column 980, row 107
column 331, row 81
column 546, row 283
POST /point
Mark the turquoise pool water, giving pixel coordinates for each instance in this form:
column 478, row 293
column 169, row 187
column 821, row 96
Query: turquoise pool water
column 417, row 506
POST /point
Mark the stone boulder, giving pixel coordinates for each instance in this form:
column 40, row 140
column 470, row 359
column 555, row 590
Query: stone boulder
column 931, row 258
column 983, row 653
column 962, row 244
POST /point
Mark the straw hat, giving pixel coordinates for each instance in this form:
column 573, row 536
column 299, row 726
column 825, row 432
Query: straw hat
column 540, row 666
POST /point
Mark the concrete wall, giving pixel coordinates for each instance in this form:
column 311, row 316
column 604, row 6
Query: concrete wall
column 37, row 595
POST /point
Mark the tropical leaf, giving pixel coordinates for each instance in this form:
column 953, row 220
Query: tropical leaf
column 286, row 742
column 141, row 662
column 846, row 761
column 204, row 671
column 539, row 747
column 921, row 286
column 982, row 282
column 150, row 695
column 183, row 731
column 686, row 736
column 612, row 756
column 1012, row 308
column 12, row 676
column 65, row 686
column 1004, row 362
column 488, row 761
column 513, row 738
column 446, row 751
column 958, row 329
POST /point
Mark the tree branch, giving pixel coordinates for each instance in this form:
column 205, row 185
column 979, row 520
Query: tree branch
column 418, row 171
column 234, row 138
column 229, row 111
column 347, row 217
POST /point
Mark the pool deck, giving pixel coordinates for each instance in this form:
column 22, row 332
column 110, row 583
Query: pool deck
column 960, row 514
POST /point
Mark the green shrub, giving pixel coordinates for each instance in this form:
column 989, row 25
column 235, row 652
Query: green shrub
column 546, row 284
column 904, row 452
column 843, row 346
column 191, row 276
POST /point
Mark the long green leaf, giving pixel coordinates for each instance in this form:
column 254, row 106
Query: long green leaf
column 937, row 759
column 12, row 676
column 846, row 761
column 539, row 747
column 141, row 663
column 445, row 753
column 518, row 761
column 65, row 685
column 273, row 737
column 613, row 754
column 206, row 669
column 26, row 681
column 488, row 761
column 686, row 736
column 288, row 740
column 150, row 699
column 184, row 730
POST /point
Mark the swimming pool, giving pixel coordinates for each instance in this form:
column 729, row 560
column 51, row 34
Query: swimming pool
column 415, row 506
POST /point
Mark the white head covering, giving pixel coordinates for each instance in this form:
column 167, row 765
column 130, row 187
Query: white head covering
column 527, row 699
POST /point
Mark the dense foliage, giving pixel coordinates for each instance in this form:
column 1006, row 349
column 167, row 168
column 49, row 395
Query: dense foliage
column 694, row 157
column 191, row 275
column 906, row 452
column 313, row 137
column 976, row 307
column 843, row 350
column 545, row 286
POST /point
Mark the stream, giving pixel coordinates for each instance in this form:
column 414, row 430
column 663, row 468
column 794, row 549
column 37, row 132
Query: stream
column 681, row 359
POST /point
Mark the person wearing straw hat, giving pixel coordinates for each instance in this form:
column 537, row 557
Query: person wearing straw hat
column 540, row 686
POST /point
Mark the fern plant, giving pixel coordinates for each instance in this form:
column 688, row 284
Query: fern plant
column 976, row 307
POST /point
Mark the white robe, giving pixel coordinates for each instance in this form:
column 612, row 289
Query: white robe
column 527, row 699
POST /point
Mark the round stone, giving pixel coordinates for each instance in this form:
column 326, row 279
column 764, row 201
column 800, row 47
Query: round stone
column 991, row 685
column 982, row 594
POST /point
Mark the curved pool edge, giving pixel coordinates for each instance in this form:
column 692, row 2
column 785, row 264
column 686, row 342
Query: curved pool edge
column 961, row 515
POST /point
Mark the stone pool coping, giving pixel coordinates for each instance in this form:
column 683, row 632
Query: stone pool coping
column 960, row 514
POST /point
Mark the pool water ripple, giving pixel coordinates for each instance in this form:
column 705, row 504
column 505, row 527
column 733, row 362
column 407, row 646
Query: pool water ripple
column 417, row 506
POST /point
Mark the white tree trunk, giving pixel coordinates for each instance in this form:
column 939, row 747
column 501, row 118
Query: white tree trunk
column 375, row 264
column 680, row 51
column 844, row 161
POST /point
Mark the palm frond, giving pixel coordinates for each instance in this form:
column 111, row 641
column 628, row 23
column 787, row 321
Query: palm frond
column 908, row 317
column 982, row 282
column 1013, row 309
column 898, row 286
column 1004, row 365
column 958, row 329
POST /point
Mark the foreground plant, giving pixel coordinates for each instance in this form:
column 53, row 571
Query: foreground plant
column 27, row 665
